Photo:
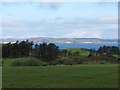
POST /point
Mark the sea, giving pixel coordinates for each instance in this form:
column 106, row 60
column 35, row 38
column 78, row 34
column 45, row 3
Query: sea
column 95, row 46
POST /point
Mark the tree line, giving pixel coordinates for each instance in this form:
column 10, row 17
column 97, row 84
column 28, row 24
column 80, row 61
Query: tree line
column 44, row 51
column 17, row 49
column 50, row 52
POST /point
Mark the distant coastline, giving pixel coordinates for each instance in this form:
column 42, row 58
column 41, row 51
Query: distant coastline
column 61, row 40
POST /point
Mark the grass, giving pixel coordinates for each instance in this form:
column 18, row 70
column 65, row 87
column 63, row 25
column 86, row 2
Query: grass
column 76, row 49
column 8, row 62
column 0, row 78
column 76, row 76
column 60, row 76
column 117, row 56
column 82, row 51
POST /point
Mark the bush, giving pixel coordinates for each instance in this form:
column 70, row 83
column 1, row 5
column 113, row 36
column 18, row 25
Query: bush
column 69, row 61
column 17, row 63
column 26, row 63
column 56, row 62
column 44, row 64
column 31, row 62
column 1, row 63
column 81, row 59
column 103, row 59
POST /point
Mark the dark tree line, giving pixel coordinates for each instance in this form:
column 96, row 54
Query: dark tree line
column 44, row 51
column 108, row 50
column 17, row 49
column 105, row 50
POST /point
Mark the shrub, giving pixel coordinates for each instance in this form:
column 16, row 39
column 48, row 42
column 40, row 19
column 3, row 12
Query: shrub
column 69, row 61
column 1, row 63
column 80, row 60
column 102, row 59
column 26, row 63
column 31, row 62
column 56, row 62
column 17, row 63
column 44, row 63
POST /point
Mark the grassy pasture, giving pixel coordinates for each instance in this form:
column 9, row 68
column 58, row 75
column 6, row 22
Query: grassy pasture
column 82, row 51
column 8, row 62
column 75, row 76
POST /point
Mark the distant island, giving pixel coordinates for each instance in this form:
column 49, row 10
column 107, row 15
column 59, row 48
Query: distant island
column 61, row 40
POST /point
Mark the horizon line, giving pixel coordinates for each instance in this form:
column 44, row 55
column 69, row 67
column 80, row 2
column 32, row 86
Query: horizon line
column 57, row 37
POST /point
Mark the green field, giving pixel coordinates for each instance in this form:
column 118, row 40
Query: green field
column 82, row 51
column 69, row 76
column 59, row 76
column 8, row 62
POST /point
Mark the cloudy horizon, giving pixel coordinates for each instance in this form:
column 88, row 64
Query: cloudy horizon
column 59, row 19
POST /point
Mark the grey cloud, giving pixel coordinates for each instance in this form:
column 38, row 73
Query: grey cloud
column 58, row 18
column 52, row 5
column 56, row 5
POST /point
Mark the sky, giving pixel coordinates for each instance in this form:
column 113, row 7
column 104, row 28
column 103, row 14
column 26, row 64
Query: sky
column 59, row 19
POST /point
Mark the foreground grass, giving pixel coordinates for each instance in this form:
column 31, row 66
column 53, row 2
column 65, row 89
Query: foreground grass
column 0, row 78
column 76, row 76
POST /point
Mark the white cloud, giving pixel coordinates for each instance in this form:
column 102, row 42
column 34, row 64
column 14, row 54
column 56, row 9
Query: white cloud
column 32, row 36
column 0, row 34
column 107, row 19
column 15, row 29
column 7, row 36
column 12, row 22
column 59, row 0
column 113, row 26
column 21, row 25
column 90, row 21
column 58, row 27
column 84, row 34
